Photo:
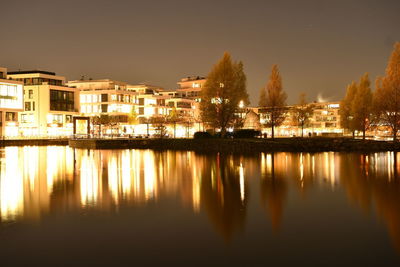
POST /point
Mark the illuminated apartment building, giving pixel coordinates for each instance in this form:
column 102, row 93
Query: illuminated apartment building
column 325, row 121
column 48, row 104
column 118, row 100
column 190, row 87
column 11, row 102
column 326, row 118
column 104, row 96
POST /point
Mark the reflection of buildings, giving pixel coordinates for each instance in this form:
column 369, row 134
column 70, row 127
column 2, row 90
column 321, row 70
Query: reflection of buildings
column 35, row 181
column 38, row 180
column 303, row 170
column 29, row 178
column 374, row 182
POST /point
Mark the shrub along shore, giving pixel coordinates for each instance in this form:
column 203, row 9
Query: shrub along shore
column 255, row 145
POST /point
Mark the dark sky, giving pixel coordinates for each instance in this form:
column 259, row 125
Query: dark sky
column 320, row 46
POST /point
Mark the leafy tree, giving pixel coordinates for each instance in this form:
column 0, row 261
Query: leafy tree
column 386, row 98
column 274, row 100
column 262, row 102
column 133, row 116
column 361, row 107
column 302, row 113
column 224, row 89
column 345, row 110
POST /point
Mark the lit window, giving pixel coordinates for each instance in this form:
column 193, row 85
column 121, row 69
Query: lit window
column 83, row 98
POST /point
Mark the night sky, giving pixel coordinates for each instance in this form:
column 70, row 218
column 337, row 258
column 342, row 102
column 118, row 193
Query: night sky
column 320, row 46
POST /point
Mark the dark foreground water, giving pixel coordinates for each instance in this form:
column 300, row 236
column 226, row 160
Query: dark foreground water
column 60, row 206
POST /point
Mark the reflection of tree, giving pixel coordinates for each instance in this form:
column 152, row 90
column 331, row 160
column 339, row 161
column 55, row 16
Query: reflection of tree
column 273, row 194
column 370, row 185
column 221, row 195
column 355, row 182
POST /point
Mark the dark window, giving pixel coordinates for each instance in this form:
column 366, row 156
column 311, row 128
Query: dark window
column 33, row 106
column 30, row 94
column 183, row 105
column 11, row 116
column 61, row 100
column 141, row 110
column 27, row 106
column 104, row 97
column 104, row 107
column 141, row 101
column 161, row 102
column 68, row 118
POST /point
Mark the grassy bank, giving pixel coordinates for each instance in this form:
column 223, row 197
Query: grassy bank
column 241, row 145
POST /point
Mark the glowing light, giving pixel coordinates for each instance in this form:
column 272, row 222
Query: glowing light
column 301, row 167
column 241, row 181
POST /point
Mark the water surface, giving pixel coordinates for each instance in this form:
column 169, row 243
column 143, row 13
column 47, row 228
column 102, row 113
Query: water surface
column 64, row 206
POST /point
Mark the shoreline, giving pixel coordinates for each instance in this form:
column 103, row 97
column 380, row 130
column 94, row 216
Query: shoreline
column 247, row 146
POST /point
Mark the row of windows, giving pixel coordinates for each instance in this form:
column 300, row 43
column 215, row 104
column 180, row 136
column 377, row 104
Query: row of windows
column 39, row 81
column 84, row 98
column 59, row 118
column 319, row 118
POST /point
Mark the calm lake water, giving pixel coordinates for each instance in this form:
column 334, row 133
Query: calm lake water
column 63, row 206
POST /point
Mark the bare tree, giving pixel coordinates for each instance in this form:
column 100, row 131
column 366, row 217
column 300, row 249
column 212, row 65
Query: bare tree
column 302, row 113
column 174, row 118
column 159, row 123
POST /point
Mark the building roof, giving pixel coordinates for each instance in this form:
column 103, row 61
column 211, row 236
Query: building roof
column 31, row 71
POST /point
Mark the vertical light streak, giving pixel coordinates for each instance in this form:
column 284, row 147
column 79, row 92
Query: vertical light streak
column 89, row 180
column 11, row 186
column 149, row 175
column 241, row 181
